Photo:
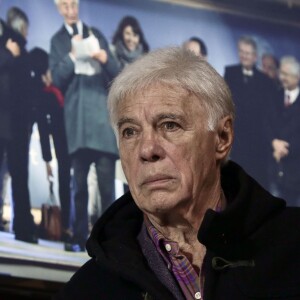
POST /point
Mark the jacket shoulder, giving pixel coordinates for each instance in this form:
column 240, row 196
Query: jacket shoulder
column 58, row 34
column 97, row 33
column 232, row 68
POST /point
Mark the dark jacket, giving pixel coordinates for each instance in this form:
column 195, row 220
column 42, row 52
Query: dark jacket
column 252, row 246
column 10, row 67
column 286, row 126
column 252, row 97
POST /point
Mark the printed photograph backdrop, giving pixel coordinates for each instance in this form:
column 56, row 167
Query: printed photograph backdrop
column 163, row 24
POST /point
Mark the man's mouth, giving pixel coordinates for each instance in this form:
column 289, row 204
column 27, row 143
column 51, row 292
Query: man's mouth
column 158, row 179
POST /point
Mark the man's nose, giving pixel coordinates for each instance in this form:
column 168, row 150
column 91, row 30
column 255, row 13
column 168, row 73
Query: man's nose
column 71, row 9
column 151, row 149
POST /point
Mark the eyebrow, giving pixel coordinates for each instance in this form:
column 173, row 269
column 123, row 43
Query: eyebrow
column 167, row 116
column 125, row 120
column 158, row 118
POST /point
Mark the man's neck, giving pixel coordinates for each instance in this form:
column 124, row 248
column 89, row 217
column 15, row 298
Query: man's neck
column 293, row 88
column 248, row 68
column 182, row 224
column 70, row 29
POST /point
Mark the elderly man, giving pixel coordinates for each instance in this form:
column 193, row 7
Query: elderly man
column 252, row 92
column 83, row 77
column 286, row 142
column 193, row 226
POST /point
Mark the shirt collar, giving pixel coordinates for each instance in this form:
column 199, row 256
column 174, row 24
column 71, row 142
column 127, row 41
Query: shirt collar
column 162, row 243
column 79, row 27
column 247, row 72
column 293, row 94
column 159, row 240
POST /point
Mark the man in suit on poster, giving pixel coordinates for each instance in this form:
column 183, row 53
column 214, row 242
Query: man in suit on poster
column 252, row 92
column 83, row 78
column 286, row 142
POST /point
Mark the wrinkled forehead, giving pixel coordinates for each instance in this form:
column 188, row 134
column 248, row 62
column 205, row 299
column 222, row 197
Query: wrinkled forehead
column 158, row 93
column 158, row 101
column 67, row 2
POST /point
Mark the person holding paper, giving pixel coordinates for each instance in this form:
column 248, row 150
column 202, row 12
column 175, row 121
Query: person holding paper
column 84, row 80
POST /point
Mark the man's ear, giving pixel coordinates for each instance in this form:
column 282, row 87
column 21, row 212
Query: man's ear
column 224, row 137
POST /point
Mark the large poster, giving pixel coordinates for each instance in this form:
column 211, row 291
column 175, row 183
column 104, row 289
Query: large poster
column 163, row 24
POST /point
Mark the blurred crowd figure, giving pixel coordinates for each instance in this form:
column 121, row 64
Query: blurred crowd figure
column 89, row 135
column 15, row 122
column 128, row 42
column 285, row 176
column 46, row 102
column 252, row 93
column 270, row 66
column 65, row 94
column 197, row 46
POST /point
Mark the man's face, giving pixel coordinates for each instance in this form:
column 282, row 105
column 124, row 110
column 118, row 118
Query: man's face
column 269, row 67
column 287, row 78
column 167, row 153
column 247, row 55
column 69, row 10
column 131, row 39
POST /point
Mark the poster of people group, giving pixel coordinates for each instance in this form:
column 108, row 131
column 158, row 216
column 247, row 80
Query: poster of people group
column 163, row 23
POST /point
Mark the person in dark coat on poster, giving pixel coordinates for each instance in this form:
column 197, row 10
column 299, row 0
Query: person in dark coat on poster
column 83, row 77
column 47, row 112
column 18, row 125
column 9, row 50
column 194, row 225
column 285, row 180
column 252, row 93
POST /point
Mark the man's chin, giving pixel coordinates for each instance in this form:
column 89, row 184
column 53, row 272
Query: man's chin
column 161, row 205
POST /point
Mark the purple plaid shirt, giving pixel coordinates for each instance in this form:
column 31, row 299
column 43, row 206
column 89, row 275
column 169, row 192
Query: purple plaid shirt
column 182, row 269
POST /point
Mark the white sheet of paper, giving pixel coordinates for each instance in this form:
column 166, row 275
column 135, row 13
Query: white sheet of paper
column 86, row 47
column 88, row 66
column 83, row 49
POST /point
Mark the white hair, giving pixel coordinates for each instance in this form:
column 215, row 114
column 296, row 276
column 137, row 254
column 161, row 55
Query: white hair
column 174, row 67
column 293, row 63
column 58, row 1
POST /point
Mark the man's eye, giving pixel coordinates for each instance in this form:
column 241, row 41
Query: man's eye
column 170, row 126
column 128, row 132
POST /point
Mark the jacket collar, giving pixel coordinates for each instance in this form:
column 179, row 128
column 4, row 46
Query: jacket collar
column 85, row 30
column 248, row 206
